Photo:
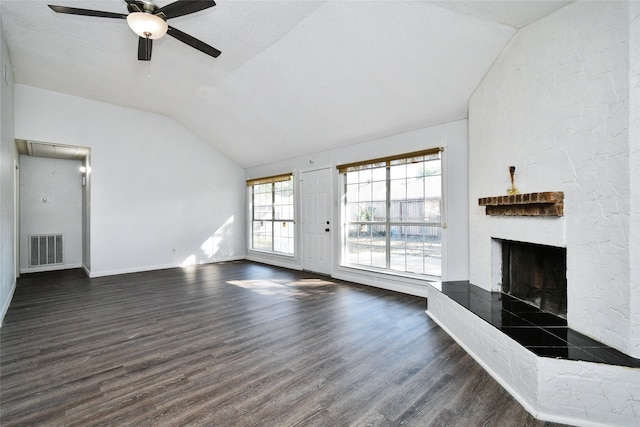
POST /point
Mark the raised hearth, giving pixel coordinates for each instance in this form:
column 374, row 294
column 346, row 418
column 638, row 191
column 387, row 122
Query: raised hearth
column 555, row 372
column 544, row 334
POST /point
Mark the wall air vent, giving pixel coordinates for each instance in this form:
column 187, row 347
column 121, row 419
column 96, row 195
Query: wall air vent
column 45, row 249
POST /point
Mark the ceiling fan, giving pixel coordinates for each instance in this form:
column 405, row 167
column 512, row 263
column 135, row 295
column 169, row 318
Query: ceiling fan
column 149, row 22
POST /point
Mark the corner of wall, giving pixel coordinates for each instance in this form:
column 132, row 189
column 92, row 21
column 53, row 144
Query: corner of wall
column 634, row 173
column 7, row 302
column 8, row 158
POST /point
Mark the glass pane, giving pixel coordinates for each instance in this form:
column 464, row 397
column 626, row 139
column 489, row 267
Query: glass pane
column 432, row 251
column 364, row 192
column 283, row 200
column 398, row 259
column 415, row 188
column 408, row 210
column 379, row 174
column 432, row 210
column 262, row 198
column 415, row 169
column 379, row 191
column 284, row 186
column 366, row 212
column 284, row 212
column 262, row 188
column 351, row 177
column 358, row 244
column 352, row 192
column 262, row 212
column 398, row 189
column 379, row 211
column 351, row 253
column 283, row 237
column 353, row 212
column 433, row 186
column 379, row 246
column 398, row 171
column 365, row 176
column 432, row 167
column 261, row 237
column 416, row 249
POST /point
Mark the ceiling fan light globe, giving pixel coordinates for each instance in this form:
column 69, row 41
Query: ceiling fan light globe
column 147, row 25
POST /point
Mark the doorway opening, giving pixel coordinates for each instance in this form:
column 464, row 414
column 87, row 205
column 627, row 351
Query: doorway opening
column 54, row 207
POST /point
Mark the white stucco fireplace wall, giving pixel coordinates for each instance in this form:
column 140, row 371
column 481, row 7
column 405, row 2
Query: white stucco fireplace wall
column 558, row 105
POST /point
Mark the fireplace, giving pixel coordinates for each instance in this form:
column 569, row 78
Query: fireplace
column 536, row 274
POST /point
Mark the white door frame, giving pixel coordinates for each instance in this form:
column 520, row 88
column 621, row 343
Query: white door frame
column 332, row 226
column 16, row 218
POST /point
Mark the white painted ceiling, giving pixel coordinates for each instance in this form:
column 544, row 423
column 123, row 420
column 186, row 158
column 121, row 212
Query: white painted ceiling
column 294, row 77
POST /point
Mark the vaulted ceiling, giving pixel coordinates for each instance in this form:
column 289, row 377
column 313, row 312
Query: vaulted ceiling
column 294, row 77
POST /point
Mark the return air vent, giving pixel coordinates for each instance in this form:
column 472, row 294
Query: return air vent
column 45, row 249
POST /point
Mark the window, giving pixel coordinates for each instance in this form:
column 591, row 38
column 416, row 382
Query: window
column 392, row 213
column 272, row 221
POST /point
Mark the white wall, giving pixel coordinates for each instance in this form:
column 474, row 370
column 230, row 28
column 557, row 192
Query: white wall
column 8, row 157
column 155, row 187
column 634, row 171
column 556, row 105
column 59, row 183
column 453, row 136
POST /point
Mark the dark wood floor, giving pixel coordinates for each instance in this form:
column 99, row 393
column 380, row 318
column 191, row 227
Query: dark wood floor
column 234, row 344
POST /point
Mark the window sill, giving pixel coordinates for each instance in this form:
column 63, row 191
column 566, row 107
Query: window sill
column 280, row 254
column 413, row 277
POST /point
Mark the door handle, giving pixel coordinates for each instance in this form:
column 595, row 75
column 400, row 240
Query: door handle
column 326, row 229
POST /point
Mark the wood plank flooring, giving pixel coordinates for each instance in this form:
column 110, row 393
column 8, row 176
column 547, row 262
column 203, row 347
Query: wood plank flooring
column 234, row 344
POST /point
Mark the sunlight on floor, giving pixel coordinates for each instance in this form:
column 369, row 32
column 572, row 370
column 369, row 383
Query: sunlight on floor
column 280, row 287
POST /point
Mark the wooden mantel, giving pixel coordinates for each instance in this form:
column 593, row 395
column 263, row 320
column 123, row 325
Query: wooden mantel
column 548, row 203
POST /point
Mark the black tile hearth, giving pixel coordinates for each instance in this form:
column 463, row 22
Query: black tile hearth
column 545, row 334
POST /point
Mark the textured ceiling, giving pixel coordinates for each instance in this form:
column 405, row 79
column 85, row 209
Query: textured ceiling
column 294, row 77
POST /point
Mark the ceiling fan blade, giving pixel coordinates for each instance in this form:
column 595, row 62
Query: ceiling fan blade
column 86, row 12
column 193, row 42
column 144, row 48
column 184, row 7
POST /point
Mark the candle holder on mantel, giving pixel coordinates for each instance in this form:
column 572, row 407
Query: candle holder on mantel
column 512, row 189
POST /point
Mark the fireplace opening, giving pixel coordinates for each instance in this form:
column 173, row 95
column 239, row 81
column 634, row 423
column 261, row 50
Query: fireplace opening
column 536, row 274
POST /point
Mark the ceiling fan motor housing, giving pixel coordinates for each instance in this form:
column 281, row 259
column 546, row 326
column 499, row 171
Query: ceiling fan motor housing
column 141, row 6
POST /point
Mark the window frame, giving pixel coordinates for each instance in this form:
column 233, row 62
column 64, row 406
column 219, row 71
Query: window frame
column 274, row 219
column 389, row 223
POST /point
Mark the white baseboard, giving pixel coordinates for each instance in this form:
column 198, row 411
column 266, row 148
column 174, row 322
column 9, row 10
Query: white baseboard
column 49, row 268
column 278, row 261
column 93, row 274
